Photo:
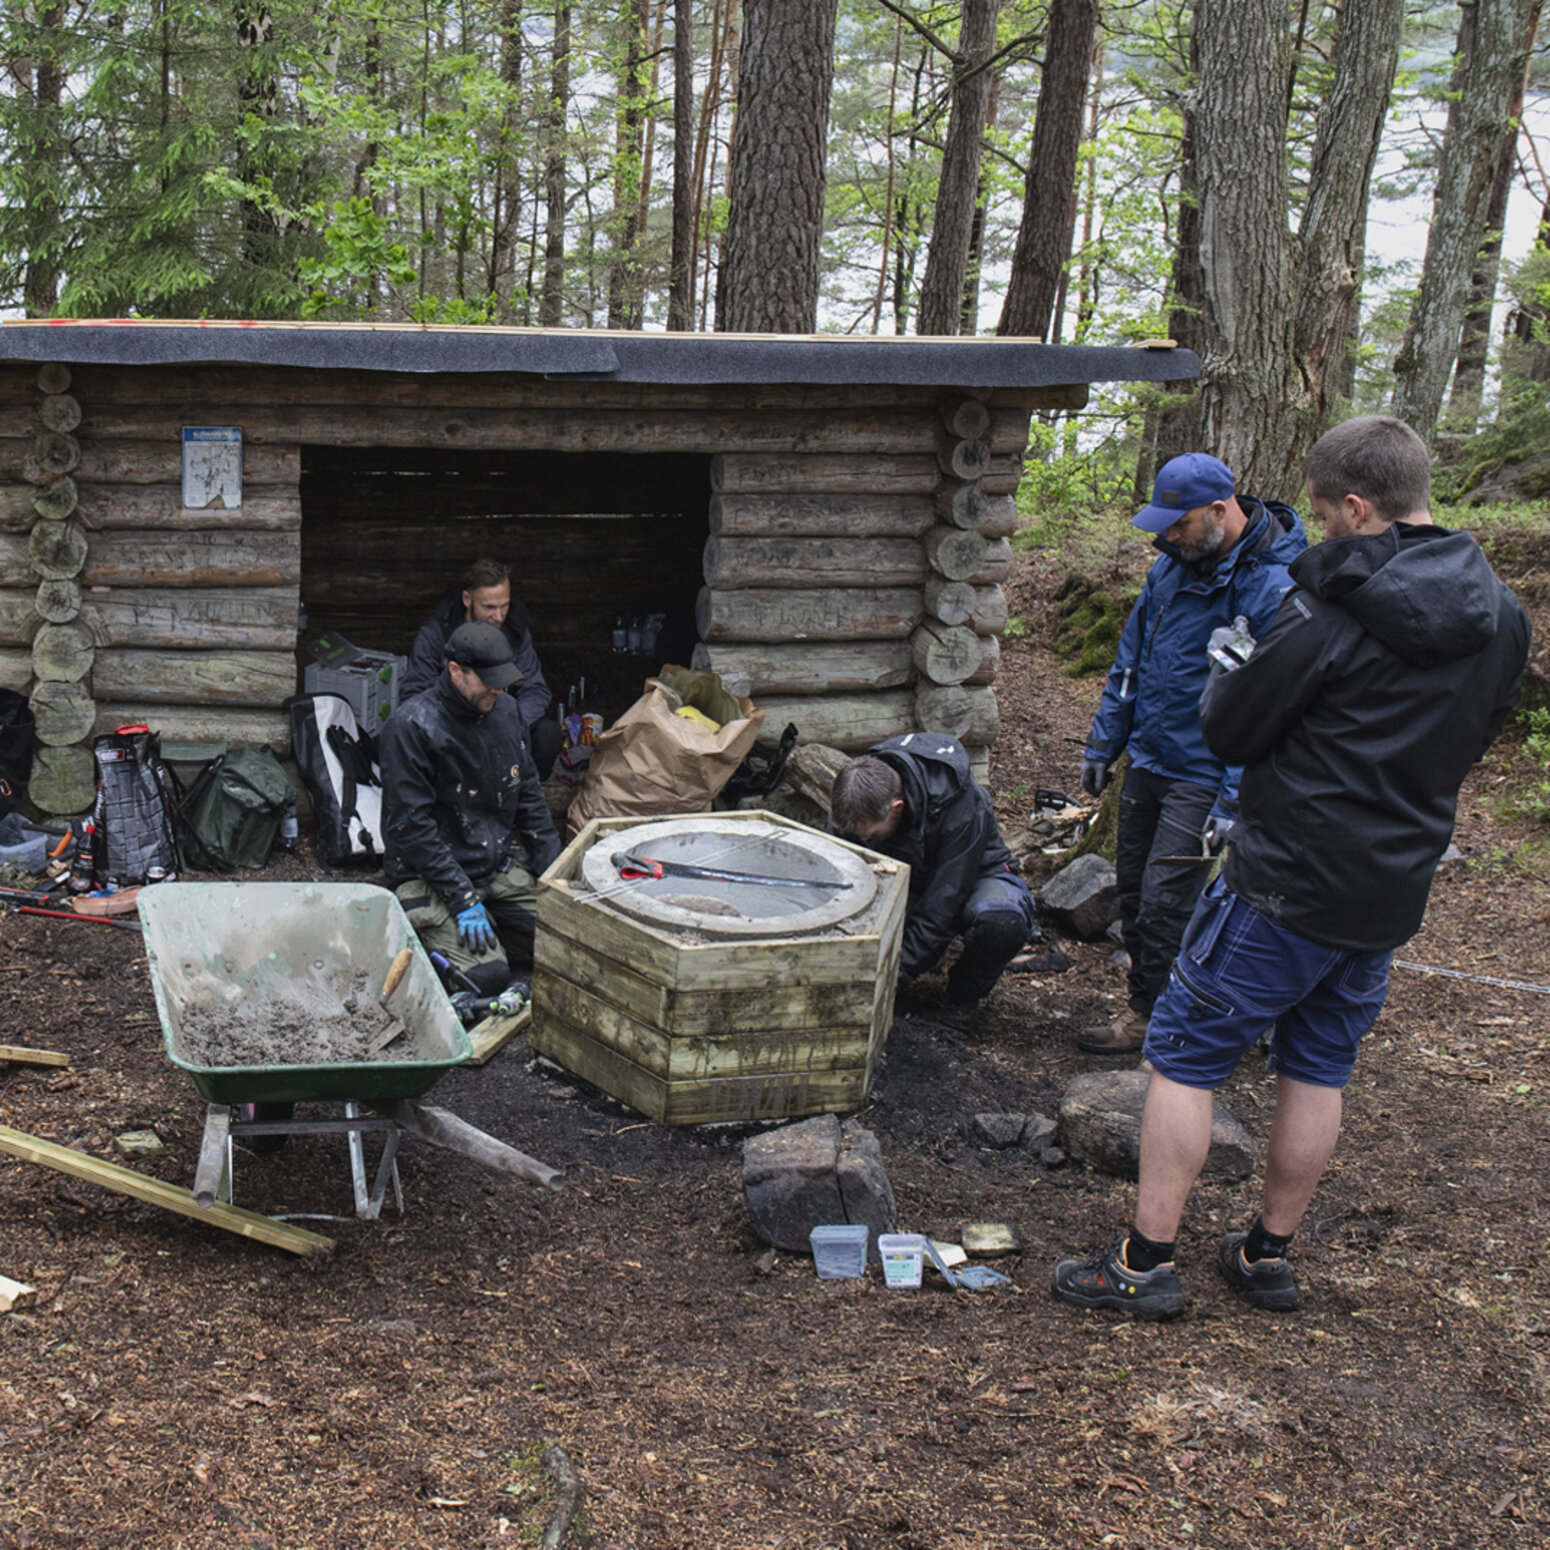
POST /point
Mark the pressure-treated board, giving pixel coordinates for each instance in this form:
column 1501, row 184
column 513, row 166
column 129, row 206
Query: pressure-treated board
column 125, row 1181
column 33, row 1057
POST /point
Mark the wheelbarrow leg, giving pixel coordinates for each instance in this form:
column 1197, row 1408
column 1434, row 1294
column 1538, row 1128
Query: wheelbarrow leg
column 212, row 1178
column 368, row 1207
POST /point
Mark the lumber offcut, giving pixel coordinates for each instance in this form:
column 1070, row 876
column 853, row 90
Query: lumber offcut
column 156, row 1192
column 23, row 1056
column 15, row 1294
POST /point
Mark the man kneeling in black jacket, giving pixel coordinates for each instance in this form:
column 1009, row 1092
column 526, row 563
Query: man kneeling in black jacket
column 913, row 799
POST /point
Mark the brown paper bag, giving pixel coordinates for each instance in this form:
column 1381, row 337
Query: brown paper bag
column 652, row 762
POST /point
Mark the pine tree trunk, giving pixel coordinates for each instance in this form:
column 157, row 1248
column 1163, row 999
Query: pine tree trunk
column 1492, row 62
column 680, row 284
column 41, row 150
column 624, row 302
column 552, row 303
column 1249, row 371
column 775, row 223
column 506, row 195
column 1049, row 197
column 1474, row 340
column 952, row 226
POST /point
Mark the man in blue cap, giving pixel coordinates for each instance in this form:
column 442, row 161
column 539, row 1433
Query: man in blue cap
column 1221, row 556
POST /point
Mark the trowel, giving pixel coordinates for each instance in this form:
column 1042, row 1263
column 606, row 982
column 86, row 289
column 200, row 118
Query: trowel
column 395, row 1026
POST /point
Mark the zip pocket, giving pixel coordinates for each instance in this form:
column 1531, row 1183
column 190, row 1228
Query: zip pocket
column 1206, row 924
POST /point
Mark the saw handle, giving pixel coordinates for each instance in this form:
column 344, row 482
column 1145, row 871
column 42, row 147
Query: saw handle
column 632, row 868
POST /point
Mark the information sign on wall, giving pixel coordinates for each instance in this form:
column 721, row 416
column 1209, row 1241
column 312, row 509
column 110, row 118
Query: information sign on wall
column 212, row 467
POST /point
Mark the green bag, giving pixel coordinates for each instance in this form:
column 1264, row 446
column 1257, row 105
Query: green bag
column 231, row 814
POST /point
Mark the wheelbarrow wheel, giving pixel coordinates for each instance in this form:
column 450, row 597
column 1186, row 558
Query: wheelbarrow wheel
column 266, row 1146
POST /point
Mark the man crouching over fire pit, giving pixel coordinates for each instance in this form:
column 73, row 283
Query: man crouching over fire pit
column 914, row 799
column 465, row 828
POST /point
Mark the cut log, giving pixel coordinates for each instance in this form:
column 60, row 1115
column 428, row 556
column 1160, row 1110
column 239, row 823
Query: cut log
column 65, row 713
column 823, row 516
column 849, row 722
column 945, row 653
column 15, row 1295
column 56, row 454
column 15, row 670
column 823, row 614
column 19, row 618
column 17, row 512
column 765, row 473
column 961, row 503
column 1003, row 476
column 125, row 1181
column 979, row 768
column 57, row 550
column 955, row 552
column 811, row 772
column 57, row 501
column 255, row 679
column 15, row 562
column 160, row 462
column 1008, row 434
column 443, row 1128
column 966, row 418
column 961, row 459
column 54, row 377
column 60, row 412
column 63, row 653
column 244, row 618
column 989, row 616
column 1001, row 519
column 952, row 602
column 970, row 715
column 837, row 431
column 1070, row 396
column 792, row 563
column 233, row 726
column 63, row 780
column 998, row 563
column 990, row 661
column 264, row 507
column 756, row 670
column 58, row 602
column 194, row 559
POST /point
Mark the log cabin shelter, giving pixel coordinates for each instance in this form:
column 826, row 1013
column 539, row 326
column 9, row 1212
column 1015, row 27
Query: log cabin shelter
column 822, row 520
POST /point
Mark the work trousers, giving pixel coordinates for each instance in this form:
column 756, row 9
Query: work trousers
column 1158, row 817
column 997, row 920
column 510, row 898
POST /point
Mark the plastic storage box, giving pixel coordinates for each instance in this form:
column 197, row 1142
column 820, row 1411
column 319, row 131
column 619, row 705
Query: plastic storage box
column 903, row 1255
column 369, row 683
column 839, row 1251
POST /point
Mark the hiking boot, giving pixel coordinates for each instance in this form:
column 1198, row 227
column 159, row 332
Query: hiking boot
column 1124, row 1036
column 1267, row 1283
column 1104, row 1281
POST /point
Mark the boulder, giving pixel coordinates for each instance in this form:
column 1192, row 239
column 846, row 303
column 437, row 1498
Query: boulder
column 814, row 1172
column 1038, row 1133
column 998, row 1131
column 1082, row 899
column 1100, row 1125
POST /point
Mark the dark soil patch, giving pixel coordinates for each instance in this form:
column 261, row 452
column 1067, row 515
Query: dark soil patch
column 177, row 1386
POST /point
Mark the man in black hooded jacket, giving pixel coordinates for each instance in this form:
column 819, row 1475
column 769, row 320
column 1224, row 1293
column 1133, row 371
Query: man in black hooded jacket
column 1387, row 672
column 913, row 798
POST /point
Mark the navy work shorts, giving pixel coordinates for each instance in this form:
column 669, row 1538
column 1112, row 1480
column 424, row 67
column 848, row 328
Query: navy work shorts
column 1238, row 974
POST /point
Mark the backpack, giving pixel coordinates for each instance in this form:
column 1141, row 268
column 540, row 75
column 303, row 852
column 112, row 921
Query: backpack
column 338, row 765
column 232, row 811
column 132, row 816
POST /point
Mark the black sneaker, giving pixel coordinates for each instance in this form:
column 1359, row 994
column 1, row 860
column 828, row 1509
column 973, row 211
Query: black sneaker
column 1267, row 1283
column 1104, row 1281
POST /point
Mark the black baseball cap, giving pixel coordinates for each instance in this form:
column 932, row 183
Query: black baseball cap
column 485, row 649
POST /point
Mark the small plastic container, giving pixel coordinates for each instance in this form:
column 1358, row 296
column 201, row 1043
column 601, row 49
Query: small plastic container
column 839, row 1251
column 903, row 1255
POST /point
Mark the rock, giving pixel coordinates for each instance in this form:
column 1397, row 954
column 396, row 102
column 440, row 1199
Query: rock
column 1452, row 853
column 1052, row 1157
column 814, row 1172
column 1100, row 1125
column 998, row 1130
column 1082, row 898
column 1038, row 1133
column 139, row 1143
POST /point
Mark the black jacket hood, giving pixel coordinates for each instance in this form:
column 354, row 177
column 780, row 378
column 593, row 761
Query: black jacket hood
column 1426, row 592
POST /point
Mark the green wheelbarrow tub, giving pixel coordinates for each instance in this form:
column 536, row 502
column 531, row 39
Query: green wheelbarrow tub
column 250, row 981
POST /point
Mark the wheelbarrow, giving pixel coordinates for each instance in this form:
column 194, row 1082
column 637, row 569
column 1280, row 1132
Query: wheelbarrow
column 271, row 994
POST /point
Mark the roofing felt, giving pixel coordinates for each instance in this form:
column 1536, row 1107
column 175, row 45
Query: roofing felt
column 582, row 354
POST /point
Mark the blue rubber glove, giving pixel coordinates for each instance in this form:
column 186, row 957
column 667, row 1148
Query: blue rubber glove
column 475, row 931
column 1095, row 776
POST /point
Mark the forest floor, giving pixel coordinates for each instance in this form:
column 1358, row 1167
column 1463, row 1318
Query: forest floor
column 177, row 1386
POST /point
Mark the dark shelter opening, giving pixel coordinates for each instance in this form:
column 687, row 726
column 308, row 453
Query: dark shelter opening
column 591, row 539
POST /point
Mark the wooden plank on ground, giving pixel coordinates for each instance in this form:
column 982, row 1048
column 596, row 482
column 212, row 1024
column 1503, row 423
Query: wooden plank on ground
column 14, row 1294
column 33, row 1057
column 156, row 1192
column 495, row 1033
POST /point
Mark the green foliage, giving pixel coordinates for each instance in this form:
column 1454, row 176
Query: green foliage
column 1530, row 795
column 1091, row 623
column 358, row 256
